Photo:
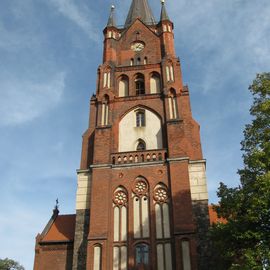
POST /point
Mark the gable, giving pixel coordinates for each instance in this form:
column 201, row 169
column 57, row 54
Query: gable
column 138, row 31
column 61, row 230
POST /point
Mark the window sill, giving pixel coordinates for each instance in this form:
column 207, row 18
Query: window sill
column 103, row 127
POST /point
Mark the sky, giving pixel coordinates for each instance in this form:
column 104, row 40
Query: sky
column 49, row 54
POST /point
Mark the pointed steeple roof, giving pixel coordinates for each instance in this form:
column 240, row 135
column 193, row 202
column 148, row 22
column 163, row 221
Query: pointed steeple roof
column 164, row 15
column 140, row 9
column 111, row 20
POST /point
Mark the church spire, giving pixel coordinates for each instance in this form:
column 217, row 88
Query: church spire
column 163, row 15
column 111, row 20
column 140, row 9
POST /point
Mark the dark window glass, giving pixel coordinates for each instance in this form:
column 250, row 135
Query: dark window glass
column 141, row 146
column 140, row 119
column 140, row 88
column 142, row 254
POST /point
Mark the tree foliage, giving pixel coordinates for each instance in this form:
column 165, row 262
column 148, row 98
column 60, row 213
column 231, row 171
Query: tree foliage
column 8, row 264
column 244, row 241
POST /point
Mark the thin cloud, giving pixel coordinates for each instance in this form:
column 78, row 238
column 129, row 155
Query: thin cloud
column 22, row 101
column 231, row 35
column 70, row 10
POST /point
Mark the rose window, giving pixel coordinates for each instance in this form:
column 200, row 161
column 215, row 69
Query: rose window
column 140, row 187
column 161, row 195
column 120, row 197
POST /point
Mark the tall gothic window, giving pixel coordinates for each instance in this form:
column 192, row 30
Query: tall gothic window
column 140, row 118
column 186, row 255
column 139, row 84
column 169, row 72
column 161, row 199
column 105, row 111
column 164, row 256
column 173, row 105
column 140, row 209
column 97, row 257
column 120, row 204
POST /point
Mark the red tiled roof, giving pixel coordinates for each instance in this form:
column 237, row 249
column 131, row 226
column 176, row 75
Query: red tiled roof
column 214, row 217
column 62, row 229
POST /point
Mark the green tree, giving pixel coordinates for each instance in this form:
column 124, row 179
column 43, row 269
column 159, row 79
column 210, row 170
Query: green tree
column 244, row 241
column 8, row 264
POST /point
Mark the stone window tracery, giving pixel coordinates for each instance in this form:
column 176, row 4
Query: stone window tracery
column 161, row 201
column 140, row 208
column 120, row 214
column 161, row 195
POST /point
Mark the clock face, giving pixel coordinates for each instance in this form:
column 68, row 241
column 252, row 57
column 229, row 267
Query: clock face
column 137, row 46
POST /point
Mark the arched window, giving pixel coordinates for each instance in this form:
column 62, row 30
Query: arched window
column 173, row 105
column 107, row 79
column 169, row 72
column 105, row 111
column 132, row 62
column 138, row 61
column 141, row 255
column 141, row 146
column 140, row 118
column 97, row 258
column 123, row 86
column 155, row 83
column 120, row 204
column 161, row 199
column 164, row 256
column 185, row 246
column 120, row 258
column 139, row 84
column 140, row 209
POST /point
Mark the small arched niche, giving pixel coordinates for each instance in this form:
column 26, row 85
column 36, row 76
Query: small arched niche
column 155, row 83
column 123, row 88
column 105, row 110
column 173, row 110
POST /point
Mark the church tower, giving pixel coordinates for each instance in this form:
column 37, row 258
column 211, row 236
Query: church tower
column 142, row 200
column 142, row 177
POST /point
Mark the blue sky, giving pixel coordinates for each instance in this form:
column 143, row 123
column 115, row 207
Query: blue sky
column 49, row 53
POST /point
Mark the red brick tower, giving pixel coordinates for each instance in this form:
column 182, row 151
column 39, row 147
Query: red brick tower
column 142, row 200
column 142, row 172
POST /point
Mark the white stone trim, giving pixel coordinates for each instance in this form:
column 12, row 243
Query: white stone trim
column 83, row 190
column 197, row 178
